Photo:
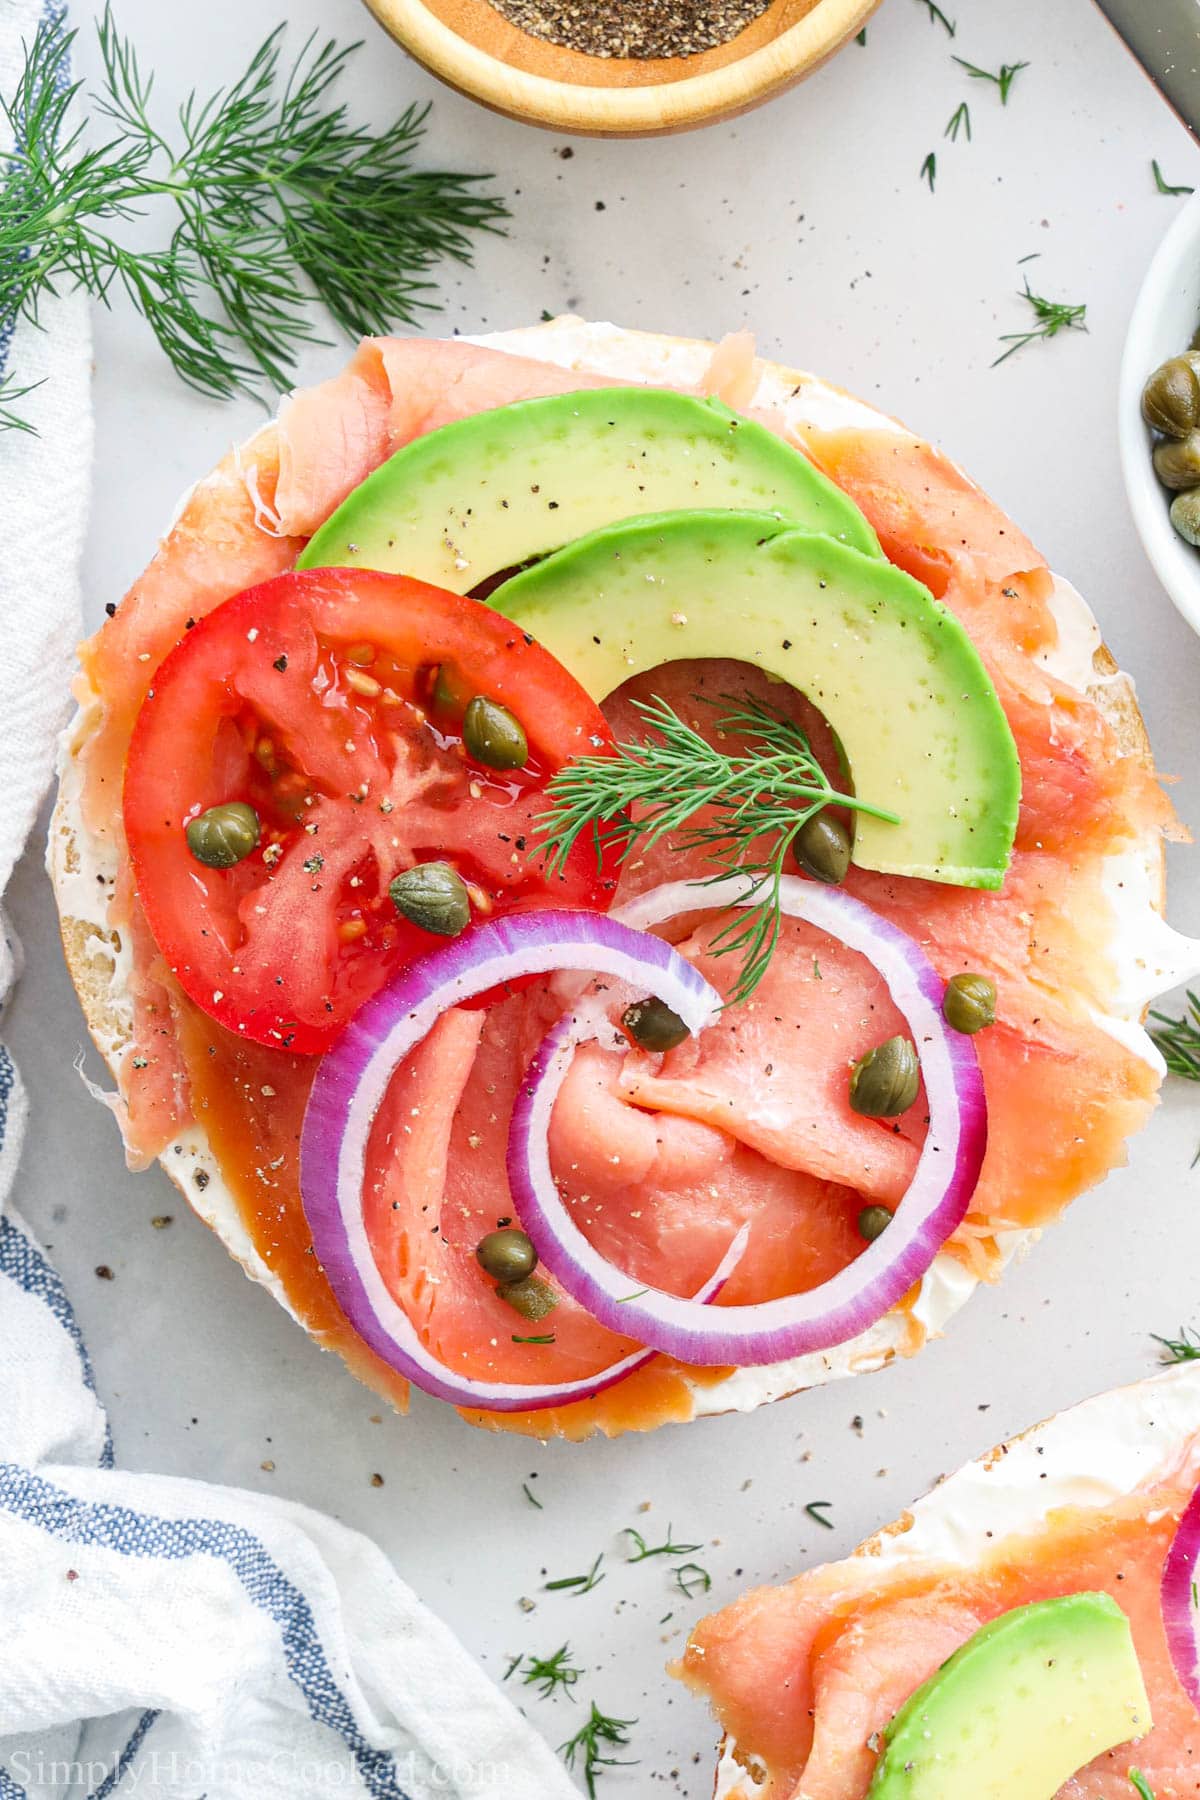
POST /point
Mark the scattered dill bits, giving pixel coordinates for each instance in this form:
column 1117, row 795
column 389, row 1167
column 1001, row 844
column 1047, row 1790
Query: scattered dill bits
column 691, row 1578
column 547, row 1673
column 1140, row 1785
column 1163, row 186
column 582, row 1584
column 632, row 28
column 642, row 1550
column 531, row 1496
column 1001, row 78
column 816, row 1509
column 960, row 120
column 938, row 17
column 1050, row 316
column 1184, row 1348
column 600, row 1733
column 1179, row 1039
column 278, row 199
column 861, row 37
column 929, row 170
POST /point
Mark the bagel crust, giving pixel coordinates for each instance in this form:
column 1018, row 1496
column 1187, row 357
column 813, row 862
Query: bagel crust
column 1148, row 958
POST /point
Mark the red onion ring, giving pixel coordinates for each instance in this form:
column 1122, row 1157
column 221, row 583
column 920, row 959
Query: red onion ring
column 353, row 1076
column 1177, row 1599
column 934, row 1205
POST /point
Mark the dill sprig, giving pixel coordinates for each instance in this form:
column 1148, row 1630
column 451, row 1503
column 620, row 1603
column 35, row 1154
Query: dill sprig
column 929, row 170
column 938, row 17
column 692, row 1578
column 816, row 1510
column 598, row 1734
column 1002, row 78
column 547, row 1673
column 582, row 1584
column 960, row 120
column 1184, row 1348
column 1051, row 317
column 642, row 1550
column 277, row 198
column 1179, row 1039
column 1163, row 185
column 10, row 392
column 758, row 803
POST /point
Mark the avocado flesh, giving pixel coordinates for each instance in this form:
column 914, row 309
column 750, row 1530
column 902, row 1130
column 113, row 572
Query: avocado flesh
column 890, row 668
column 1027, row 1702
column 491, row 492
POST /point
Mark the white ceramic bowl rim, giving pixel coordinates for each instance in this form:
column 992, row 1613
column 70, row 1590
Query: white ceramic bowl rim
column 1165, row 316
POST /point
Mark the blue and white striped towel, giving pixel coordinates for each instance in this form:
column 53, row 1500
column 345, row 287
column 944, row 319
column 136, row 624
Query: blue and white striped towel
column 159, row 1637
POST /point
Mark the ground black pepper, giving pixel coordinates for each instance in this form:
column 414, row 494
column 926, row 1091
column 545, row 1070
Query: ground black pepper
column 637, row 28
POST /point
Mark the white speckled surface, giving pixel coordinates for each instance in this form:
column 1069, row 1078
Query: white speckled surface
column 809, row 222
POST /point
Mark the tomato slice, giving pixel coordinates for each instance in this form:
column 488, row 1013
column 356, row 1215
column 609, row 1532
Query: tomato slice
column 332, row 701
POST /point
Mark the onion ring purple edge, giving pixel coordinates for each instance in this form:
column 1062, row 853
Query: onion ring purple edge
column 851, row 1301
column 1177, row 1600
column 353, row 1076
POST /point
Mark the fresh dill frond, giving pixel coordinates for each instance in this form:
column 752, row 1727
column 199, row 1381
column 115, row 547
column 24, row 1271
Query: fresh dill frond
column 1184, row 1348
column 757, row 804
column 1002, row 78
column 691, row 1578
column 938, row 17
column 547, row 1673
column 1051, row 316
column 531, row 1496
column 816, row 1509
column 1163, row 185
column 929, row 170
column 1140, row 1785
column 600, row 1733
column 277, row 199
column 582, row 1584
column 960, row 120
column 1178, row 1040
column 642, row 1550
column 10, row 392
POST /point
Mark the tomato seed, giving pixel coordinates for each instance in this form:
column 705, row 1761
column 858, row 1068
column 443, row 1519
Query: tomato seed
column 350, row 929
column 363, row 684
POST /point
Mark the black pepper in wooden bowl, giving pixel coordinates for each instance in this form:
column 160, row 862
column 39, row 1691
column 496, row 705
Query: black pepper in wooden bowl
column 638, row 28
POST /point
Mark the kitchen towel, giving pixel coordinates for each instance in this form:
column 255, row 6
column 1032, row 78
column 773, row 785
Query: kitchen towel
column 161, row 1637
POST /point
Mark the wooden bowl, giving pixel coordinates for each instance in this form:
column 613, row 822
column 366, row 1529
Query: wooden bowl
column 474, row 48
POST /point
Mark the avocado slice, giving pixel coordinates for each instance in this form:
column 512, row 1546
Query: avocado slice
column 889, row 666
column 493, row 491
column 1029, row 1700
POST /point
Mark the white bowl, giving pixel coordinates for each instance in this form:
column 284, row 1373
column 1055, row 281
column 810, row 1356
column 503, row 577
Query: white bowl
column 1165, row 317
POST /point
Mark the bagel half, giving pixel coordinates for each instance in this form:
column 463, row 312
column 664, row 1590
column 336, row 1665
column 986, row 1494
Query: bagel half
column 1144, row 955
column 1131, row 1456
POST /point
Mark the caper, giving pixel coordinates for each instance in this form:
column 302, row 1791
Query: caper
column 224, row 835
column 822, row 848
column 884, row 1082
column 1185, row 515
column 1171, row 398
column 533, row 1298
column 969, row 1003
column 495, row 736
column 433, row 896
column 652, row 1024
column 506, row 1255
column 1177, row 464
column 873, row 1221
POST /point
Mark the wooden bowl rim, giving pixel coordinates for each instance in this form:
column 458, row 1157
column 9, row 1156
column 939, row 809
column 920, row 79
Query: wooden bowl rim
column 661, row 106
